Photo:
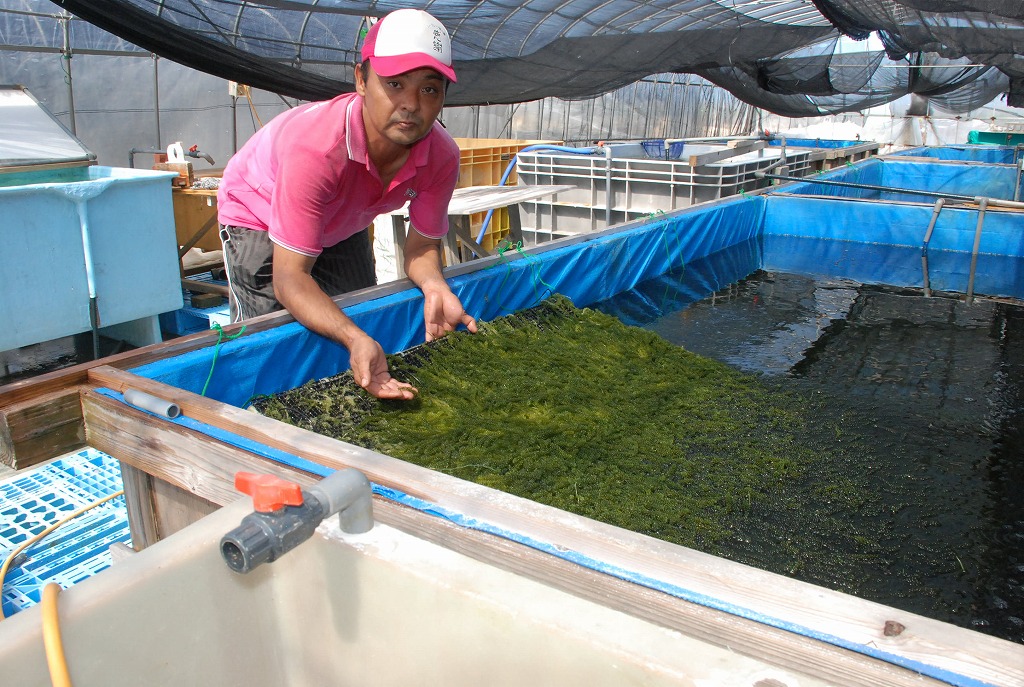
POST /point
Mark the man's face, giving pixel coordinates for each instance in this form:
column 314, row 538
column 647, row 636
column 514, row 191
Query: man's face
column 400, row 108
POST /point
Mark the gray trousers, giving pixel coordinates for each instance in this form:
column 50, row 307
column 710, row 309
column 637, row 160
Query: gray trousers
column 249, row 263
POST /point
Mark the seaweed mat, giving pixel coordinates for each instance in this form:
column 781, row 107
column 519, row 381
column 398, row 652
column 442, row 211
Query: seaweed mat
column 571, row 408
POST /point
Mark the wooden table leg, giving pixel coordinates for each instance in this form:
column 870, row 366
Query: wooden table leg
column 459, row 225
column 398, row 226
column 515, row 224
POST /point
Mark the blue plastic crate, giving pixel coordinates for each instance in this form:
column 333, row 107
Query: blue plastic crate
column 29, row 503
column 656, row 148
column 188, row 319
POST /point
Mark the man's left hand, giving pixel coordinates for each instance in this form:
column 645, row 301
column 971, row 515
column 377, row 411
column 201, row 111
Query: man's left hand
column 443, row 312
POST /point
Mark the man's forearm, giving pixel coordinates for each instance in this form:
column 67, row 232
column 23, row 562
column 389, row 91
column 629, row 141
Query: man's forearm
column 423, row 263
column 317, row 311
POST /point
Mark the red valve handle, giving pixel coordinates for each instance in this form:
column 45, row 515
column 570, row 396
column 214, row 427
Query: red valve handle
column 269, row 493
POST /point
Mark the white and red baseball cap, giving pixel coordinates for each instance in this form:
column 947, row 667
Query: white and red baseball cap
column 408, row 39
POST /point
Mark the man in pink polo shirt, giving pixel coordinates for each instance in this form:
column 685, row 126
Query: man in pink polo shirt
column 294, row 203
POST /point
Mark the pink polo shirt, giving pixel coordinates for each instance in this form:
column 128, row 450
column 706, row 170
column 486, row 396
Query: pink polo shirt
column 306, row 178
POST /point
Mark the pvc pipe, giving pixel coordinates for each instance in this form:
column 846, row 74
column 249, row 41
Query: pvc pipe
column 156, row 95
column 777, row 163
column 983, row 205
column 924, row 246
column 280, row 524
column 152, row 404
column 134, row 151
column 187, row 153
column 1020, row 168
column 931, row 225
column 511, row 165
column 998, row 202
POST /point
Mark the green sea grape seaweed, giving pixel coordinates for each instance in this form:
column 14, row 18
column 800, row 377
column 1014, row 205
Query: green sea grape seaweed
column 571, row 408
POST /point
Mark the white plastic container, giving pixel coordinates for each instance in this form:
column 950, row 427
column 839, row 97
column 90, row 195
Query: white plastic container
column 382, row 608
column 80, row 235
column 629, row 184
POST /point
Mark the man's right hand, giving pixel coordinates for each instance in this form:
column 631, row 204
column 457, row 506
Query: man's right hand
column 370, row 370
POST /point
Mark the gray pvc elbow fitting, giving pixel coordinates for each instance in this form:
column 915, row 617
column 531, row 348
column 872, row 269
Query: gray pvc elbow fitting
column 347, row 493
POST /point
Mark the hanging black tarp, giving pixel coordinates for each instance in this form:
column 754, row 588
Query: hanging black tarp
column 782, row 55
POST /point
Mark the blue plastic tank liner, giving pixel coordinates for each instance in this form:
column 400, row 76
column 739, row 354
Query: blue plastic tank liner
column 287, row 356
column 992, row 181
column 583, row 560
column 606, row 264
column 673, row 291
column 963, row 153
column 900, row 266
column 815, row 142
column 841, row 219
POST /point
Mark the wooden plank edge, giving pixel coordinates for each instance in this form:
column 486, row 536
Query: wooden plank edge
column 37, row 430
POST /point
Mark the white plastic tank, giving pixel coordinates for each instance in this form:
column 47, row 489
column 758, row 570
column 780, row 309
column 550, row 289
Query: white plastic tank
column 382, row 608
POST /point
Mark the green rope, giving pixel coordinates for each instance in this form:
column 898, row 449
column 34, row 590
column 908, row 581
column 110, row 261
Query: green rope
column 216, row 350
column 535, row 264
column 669, row 248
column 533, row 261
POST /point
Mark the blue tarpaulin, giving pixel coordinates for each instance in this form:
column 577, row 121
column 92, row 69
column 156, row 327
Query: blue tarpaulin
column 964, row 153
column 989, row 180
column 586, row 271
column 595, row 267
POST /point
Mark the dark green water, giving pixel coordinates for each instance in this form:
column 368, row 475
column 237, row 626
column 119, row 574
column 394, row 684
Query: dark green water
column 923, row 509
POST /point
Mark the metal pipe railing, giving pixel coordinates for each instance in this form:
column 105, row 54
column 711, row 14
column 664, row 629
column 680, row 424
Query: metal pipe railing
column 869, row 187
column 996, row 202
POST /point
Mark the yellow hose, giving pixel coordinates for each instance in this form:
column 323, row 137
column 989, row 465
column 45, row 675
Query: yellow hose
column 29, row 542
column 59, row 676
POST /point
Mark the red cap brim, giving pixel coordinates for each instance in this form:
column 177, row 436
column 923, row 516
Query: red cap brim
column 400, row 64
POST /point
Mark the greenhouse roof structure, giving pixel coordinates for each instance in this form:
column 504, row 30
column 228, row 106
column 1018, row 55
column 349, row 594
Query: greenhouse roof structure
column 791, row 57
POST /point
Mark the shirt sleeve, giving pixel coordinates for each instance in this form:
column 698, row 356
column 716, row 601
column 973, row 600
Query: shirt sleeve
column 428, row 211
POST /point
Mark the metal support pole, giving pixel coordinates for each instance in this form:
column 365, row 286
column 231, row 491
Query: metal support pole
column 1016, row 186
column 870, row 187
column 234, row 124
column 608, row 186
column 156, row 97
column 65, row 19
